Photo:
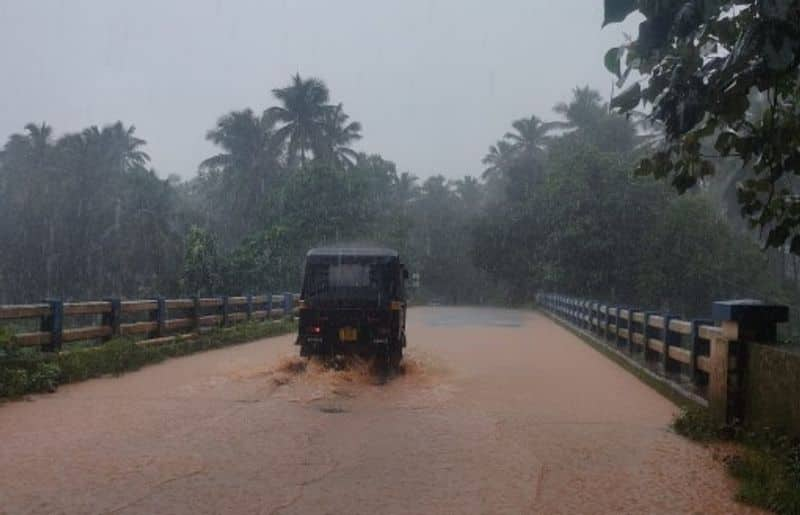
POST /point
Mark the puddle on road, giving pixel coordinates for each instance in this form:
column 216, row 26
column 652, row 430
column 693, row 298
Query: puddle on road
column 470, row 317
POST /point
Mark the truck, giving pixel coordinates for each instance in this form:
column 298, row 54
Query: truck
column 353, row 302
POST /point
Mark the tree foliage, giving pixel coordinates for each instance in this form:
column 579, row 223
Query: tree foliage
column 557, row 208
column 591, row 228
column 702, row 65
column 82, row 215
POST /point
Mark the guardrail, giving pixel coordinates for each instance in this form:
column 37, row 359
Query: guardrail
column 119, row 317
column 704, row 360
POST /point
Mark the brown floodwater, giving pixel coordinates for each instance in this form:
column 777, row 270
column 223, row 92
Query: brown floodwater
column 494, row 411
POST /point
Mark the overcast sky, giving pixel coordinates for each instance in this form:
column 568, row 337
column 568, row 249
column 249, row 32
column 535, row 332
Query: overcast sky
column 433, row 82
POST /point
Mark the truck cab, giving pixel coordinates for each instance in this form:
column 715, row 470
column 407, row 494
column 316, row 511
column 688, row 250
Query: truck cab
column 353, row 302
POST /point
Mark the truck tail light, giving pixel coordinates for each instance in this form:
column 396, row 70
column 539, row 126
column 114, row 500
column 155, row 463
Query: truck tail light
column 315, row 329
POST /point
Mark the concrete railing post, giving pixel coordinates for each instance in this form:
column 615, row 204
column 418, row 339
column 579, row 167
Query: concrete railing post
column 697, row 346
column 159, row 316
column 288, row 305
column 53, row 323
column 741, row 322
column 195, row 313
column 113, row 318
column 646, row 331
column 249, row 307
column 670, row 339
column 224, row 310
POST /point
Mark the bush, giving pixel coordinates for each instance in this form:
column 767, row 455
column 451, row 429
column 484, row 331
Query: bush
column 696, row 424
column 28, row 376
column 768, row 467
column 769, row 479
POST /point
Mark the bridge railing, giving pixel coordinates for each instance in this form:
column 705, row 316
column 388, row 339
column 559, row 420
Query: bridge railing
column 152, row 321
column 701, row 359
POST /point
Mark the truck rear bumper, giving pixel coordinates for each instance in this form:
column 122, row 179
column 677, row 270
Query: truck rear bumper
column 319, row 346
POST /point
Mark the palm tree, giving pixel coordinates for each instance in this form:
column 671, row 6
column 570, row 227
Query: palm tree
column 302, row 111
column 591, row 119
column 31, row 148
column 585, row 110
column 500, row 157
column 531, row 137
column 28, row 168
column 250, row 161
column 338, row 135
column 250, row 150
column 124, row 148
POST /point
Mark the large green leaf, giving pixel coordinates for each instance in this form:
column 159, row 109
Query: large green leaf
column 628, row 99
column 612, row 59
column 617, row 10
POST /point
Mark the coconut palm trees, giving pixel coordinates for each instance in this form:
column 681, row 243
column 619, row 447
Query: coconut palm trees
column 338, row 134
column 248, row 164
column 311, row 126
column 514, row 163
column 500, row 158
column 588, row 115
column 531, row 136
column 83, row 215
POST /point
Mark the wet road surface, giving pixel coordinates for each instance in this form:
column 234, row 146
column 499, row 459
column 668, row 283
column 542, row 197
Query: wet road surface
column 498, row 411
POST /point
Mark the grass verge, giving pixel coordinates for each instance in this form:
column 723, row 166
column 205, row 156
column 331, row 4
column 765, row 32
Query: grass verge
column 39, row 372
column 768, row 466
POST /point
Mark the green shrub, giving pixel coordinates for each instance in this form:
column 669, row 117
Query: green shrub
column 44, row 377
column 696, row 424
column 19, row 377
column 13, row 382
column 114, row 357
column 768, row 479
column 768, row 468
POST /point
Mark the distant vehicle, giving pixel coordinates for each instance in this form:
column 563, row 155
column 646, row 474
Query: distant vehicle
column 353, row 301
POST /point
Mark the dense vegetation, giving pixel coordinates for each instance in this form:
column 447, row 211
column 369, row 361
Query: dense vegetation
column 767, row 464
column 556, row 208
column 721, row 78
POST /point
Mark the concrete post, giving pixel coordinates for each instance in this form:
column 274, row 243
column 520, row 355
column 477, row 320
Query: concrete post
column 53, row 324
column 741, row 322
column 159, row 316
column 113, row 317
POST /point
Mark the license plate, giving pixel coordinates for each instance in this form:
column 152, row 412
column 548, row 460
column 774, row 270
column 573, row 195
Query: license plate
column 348, row 334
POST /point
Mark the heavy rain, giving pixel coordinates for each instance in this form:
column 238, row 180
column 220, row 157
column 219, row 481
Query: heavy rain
column 431, row 256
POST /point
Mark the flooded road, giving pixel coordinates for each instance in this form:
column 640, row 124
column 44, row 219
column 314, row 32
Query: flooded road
column 497, row 412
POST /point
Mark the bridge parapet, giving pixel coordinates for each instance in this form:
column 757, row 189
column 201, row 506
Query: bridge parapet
column 702, row 360
column 152, row 321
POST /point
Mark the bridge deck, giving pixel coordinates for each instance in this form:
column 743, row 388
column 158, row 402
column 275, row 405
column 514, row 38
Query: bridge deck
column 498, row 412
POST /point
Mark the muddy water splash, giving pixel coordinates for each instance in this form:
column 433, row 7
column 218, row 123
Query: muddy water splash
column 342, row 370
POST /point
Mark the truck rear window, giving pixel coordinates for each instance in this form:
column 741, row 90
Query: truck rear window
column 348, row 281
column 353, row 275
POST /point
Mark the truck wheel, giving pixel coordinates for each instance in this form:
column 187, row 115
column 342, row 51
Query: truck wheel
column 393, row 356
